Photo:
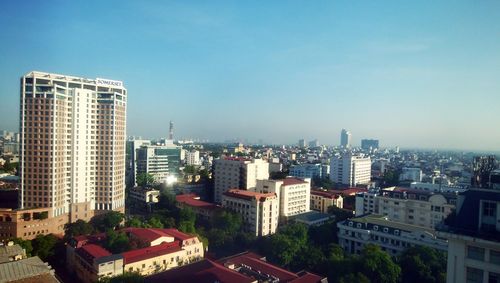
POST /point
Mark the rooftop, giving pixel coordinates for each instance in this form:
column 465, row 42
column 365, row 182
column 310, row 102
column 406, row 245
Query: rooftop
column 150, row 252
column 326, row 194
column 23, row 269
column 249, row 195
column 293, row 181
column 384, row 221
column 191, row 200
column 8, row 252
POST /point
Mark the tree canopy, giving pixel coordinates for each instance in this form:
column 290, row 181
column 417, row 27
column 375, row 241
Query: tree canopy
column 109, row 220
column 144, row 179
column 423, row 264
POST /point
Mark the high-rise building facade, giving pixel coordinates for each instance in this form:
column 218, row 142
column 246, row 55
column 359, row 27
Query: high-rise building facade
column 345, row 138
column 161, row 161
column 72, row 145
column 350, row 170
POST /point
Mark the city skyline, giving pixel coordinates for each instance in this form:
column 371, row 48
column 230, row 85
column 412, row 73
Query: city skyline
column 422, row 77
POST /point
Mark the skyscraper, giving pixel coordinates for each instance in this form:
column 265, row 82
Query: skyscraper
column 171, row 131
column 350, row 170
column 345, row 138
column 368, row 144
column 72, row 145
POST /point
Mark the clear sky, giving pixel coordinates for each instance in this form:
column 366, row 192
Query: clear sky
column 410, row 73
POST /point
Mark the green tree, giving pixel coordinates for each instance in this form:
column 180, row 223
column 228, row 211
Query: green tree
column 110, row 220
column 25, row 244
column 44, row 246
column 339, row 213
column 391, row 178
column 422, row 264
column 187, row 219
column 227, row 221
column 189, row 169
column 116, row 242
column 354, row 277
column 77, row 228
column 145, row 179
column 155, row 222
column 378, row 265
column 127, row 277
column 134, row 222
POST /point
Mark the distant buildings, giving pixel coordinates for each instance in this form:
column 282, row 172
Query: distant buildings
column 345, row 138
column 294, row 194
column 314, row 143
column 474, row 238
column 307, row 170
column 350, row 170
column 159, row 250
column 260, row 211
column 392, row 237
column 242, row 173
column 411, row 174
column 192, row 158
column 482, row 166
column 369, row 144
column 302, row 143
column 72, row 162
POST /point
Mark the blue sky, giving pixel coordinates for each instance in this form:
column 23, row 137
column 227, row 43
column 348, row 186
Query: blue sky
column 410, row 73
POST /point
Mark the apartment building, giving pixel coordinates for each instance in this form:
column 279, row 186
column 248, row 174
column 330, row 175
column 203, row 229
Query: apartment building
column 392, row 237
column 233, row 173
column 350, row 170
column 294, row 194
column 162, row 249
column 474, row 238
column 72, row 162
column 193, row 158
column 260, row 211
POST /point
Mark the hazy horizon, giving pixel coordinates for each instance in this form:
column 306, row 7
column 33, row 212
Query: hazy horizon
column 414, row 75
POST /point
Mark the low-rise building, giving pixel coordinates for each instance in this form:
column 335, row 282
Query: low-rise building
column 392, row 237
column 31, row 269
column 11, row 252
column 28, row 223
column 474, row 238
column 322, row 200
column 260, row 211
column 144, row 195
column 161, row 249
column 312, row 218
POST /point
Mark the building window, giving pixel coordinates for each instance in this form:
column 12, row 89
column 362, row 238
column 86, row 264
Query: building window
column 475, row 253
column 474, row 275
column 489, row 208
column 495, row 257
column 494, row 277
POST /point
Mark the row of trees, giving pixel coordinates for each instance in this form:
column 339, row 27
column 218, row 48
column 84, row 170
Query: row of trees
column 296, row 247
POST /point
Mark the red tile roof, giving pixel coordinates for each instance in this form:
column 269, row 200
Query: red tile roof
column 307, row 277
column 256, row 263
column 240, row 159
column 326, row 194
column 95, row 251
column 190, row 200
column 150, row 252
column 293, row 181
column 204, row 271
column 151, row 234
column 349, row 191
column 249, row 195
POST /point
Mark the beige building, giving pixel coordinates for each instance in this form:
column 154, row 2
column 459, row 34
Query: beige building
column 260, row 211
column 237, row 173
column 322, row 200
column 162, row 250
column 72, row 147
column 294, row 194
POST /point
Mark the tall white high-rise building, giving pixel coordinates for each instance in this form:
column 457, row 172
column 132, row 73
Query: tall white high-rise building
column 72, row 144
column 193, row 157
column 237, row 173
column 345, row 138
column 350, row 170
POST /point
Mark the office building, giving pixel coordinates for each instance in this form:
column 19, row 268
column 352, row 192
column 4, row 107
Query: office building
column 294, row 194
column 242, row 173
column 369, row 144
column 345, row 138
column 392, row 237
column 161, row 161
column 72, row 152
column 302, row 143
column 350, row 170
column 474, row 238
column 411, row 174
column 306, row 170
column 133, row 146
column 314, row 143
column 260, row 211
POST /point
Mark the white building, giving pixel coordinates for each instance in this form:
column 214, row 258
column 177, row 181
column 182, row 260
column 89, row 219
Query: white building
column 351, row 170
column 366, row 202
column 193, row 158
column 78, row 125
column 392, row 237
column 134, row 145
column 260, row 211
column 411, row 174
column 430, row 187
column 294, row 194
column 474, row 238
column 237, row 173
